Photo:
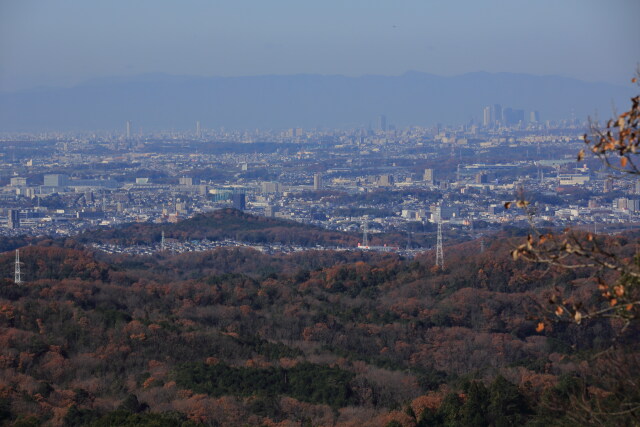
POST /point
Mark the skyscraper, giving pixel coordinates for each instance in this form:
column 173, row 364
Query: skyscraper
column 385, row 180
column 507, row 116
column 482, row 178
column 239, row 201
column 496, row 114
column 128, row 126
column 608, row 185
column 487, row 122
column 13, row 219
column 534, row 117
column 428, row 176
column 382, row 123
column 317, row 181
column 198, row 133
column 511, row 117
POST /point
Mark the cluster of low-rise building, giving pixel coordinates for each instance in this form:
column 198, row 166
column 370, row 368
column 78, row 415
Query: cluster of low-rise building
column 392, row 180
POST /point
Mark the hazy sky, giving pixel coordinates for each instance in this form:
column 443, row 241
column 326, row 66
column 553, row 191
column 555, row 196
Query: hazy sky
column 65, row 42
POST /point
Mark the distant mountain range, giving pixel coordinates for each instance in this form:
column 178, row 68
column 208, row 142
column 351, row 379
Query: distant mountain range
column 159, row 101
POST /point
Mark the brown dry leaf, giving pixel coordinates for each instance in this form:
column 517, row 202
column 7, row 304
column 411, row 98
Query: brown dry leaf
column 507, row 205
column 559, row 311
column 623, row 161
column 540, row 327
column 577, row 317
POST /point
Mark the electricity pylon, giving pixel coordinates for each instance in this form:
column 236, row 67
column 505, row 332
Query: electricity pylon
column 17, row 278
column 439, row 251
column 365, row 237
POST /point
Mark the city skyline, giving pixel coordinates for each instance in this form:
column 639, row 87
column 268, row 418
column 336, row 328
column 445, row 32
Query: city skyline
column 162, row 102
column 340, row 213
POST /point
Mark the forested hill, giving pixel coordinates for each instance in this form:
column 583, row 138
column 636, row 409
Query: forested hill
column 237, row 337
column 223, row 224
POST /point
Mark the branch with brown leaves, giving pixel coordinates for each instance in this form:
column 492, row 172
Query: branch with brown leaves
column 584, row 251
column 620, row 139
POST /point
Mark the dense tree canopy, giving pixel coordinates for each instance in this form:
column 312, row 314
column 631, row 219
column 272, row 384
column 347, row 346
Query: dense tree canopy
column 319, row 337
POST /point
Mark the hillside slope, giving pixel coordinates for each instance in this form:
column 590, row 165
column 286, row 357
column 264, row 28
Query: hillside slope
column 234, row 336
column 223, row 224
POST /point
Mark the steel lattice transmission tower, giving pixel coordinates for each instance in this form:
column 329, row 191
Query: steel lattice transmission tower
column 365, row 237
column 439, row 251
column 17, row 279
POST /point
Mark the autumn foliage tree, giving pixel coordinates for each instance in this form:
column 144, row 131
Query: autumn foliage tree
column 612, row 291
column 617, row 274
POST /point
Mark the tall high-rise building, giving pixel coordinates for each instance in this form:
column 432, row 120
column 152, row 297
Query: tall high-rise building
column 518, row 116
column 608, row 185
column 496, row 114
column 428, row 176
column 317, row 181
column 534, row 117
column 482, row 178
column 486, row 117
column 128, row 129
column 507, row 116
column 13, row 219
column 385, row 180
column 382, row 123
column 511, row 117
column 239, row 201
column 198, row 132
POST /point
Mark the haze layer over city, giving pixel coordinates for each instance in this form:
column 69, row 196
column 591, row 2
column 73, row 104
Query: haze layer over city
column 124, row 132
column 288, row 143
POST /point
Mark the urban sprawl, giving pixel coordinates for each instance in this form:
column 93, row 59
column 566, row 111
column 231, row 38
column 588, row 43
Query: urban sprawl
column 375, row 179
